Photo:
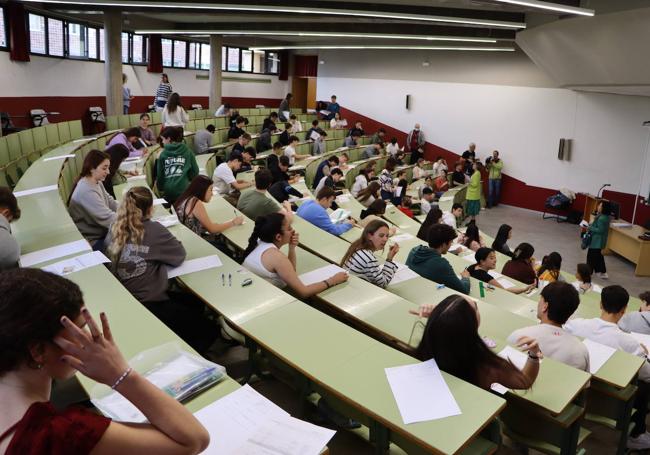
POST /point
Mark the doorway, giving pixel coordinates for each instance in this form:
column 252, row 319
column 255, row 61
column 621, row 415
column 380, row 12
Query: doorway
column 303, row 90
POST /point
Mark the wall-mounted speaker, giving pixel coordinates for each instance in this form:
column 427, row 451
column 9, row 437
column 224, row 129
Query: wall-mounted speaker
column 564, row 149
column 408, row 102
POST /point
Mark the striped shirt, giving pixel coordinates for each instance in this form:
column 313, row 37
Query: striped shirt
column 364, row 264
column 163, row 91
column 386, row 181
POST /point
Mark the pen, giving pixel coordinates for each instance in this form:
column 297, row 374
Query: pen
column 229, row 279
column 223, row 279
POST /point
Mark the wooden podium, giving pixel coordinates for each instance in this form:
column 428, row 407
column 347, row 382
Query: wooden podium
column 591, row 202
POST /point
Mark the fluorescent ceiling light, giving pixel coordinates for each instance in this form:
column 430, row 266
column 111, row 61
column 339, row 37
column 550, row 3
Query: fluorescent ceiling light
column 316, row 34
column 290, row 9
column 347, row 47
column 551, row 6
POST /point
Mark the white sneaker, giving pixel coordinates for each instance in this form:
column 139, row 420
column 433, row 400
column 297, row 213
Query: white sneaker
column 641, row 442
column 604, row 276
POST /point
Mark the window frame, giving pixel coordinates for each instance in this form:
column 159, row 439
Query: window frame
column 3, row 16
column 66, row 41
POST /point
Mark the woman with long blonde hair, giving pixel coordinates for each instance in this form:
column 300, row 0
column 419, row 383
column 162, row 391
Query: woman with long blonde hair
column 140, row 250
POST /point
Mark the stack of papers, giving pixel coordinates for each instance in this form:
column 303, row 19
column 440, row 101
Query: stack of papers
column 77, row 263
column 321, row 274
column 339, row 216
column 194, row 265
column 598, row 354
column 55, row 252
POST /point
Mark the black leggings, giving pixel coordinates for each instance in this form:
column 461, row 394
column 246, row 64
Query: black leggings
column 596, row 260
column 641, row 406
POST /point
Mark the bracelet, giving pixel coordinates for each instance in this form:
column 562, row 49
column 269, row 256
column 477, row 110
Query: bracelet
column 533, row 357
column 326, row 284
column 122, row 378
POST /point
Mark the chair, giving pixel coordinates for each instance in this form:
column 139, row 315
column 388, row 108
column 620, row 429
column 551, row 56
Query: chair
column 6, row 125
column 97, row 119
column 197, row 107
column 39, row 117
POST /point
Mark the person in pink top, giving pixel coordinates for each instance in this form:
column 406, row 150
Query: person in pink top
column 127, row 138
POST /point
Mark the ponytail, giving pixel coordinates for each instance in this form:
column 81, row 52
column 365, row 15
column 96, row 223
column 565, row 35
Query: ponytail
column 128, row 227
column 266, row 228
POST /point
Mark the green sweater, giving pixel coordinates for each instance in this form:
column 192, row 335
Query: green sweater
column 428, row 263
column 599, row 231
column 176, row 168
column 494, row 171
column 474, row 188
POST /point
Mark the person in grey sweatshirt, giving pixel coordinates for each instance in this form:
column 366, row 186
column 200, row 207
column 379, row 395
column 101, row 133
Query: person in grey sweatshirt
column 141, row 250
column 91, row 207
column 9, row 248
column 638, row 321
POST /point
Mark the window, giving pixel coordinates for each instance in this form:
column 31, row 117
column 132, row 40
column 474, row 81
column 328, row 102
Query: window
column 224, row 58
column 166, row 52
column 180, row 48
column 125, row 47
column 92, row 43
column 205, row 56
column 101, row 44
column 259, row 62
column 246, row 60
column 193, row 56
column 55, row 37
column 37, row 34
column 233, row 59
column 77, row 41
column 272, row 63
column 137, row 42
column 3, row 30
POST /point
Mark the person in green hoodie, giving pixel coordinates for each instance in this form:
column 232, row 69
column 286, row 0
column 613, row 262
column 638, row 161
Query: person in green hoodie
column 599, row 231
column 176, row 166
column 429, row 263
column 474, row 191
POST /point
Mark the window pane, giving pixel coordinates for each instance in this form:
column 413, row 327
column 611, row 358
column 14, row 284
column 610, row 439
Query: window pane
column 55, row 37
column 145, row 50
column 101, row 44
column 273, row 63
column 125, row 47
column 36, row 34
column 76, row 40
column 246, row 60
column 233, row 59
column 193, row 54
column 138, row 54
column 205, row 57
column 258, row 62
column 3, row 30
column 166, row 52
column 224, row 58
column 92, row 43
column 179, row 53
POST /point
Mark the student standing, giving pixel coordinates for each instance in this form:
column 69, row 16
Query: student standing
column 173, row 113
column 599, row 230
column 521, row 266
column 91, row 207
column 361, row 261
column 126, row 95
column 266, row 260
column 316, row 213
column 468, row 358
column 427, row 261
column 638, row 321
column 285, row 107
column 163, row 92
column 333, row 108
column 51, row 338
column 494, row 167
column 176, row 166
column 558, row 301
column 9, row 248
column 415, row 142
column 486, row 260
column 474, row 191
column 255, row 202
column 500, row 243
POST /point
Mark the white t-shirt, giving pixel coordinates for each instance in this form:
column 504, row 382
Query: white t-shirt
column 425, row 206
column 611, row 335
column 290, row 153
column 222, row 178
column 438, row 169
column 556, row 343
column 392, row 149
column 360, row 183
column 320, row 185
column 449, row 219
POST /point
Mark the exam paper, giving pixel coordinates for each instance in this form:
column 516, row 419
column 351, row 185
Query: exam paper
column 159, row 201
column 401, row 237
column 518, row 358
column 60, row 157
column 321, row 274
column 47, row 254
column 421, row 392
column 469, row 258
column 40, row 189
column 494, row 274
column 598, row 354
column 194, row 265
column 642, row 338
column 167, row 220
column 77, row 263
column 404, row 273
column 506, row 283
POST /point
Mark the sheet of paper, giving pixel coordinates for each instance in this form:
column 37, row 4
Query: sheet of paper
column 77, row 263
column 421, row 392
column 455, row 247
column 321, row 274
column 495, row 274
column 518, row 358
column 194, row 265
column 137, row 177
column 343, row 198
column 506, row 283
column 642, row 338
column 469, row 258
column 398, row 191
column 598, row 354
column 403, row 274
column 40, row 189
column 286, row 114
column 60, row 157
column 159, row 201
column 401, row 237
column 47, row 254
column 167, row 220
column 314, row 136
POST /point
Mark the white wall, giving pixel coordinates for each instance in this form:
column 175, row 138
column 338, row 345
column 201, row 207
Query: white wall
column 44, row 76
column 524, row 123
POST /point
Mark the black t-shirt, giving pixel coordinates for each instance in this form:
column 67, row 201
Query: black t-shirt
column 469, row 155
column 479, row 274
column 234, row 132
column 278, row 174
column 281, row 190
column 237, row 149
column 458, row 177
column 284, row 138
column 268, row 125
column 272, row 162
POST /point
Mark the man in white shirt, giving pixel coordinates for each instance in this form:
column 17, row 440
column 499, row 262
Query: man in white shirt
column 226, row 183
column 558, row 302
column 451, row 218
column 426, row 202
column 604, row 330
column 638, row 321
column 439, row 167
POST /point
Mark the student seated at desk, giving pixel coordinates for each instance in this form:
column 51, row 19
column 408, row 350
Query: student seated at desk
column 604, row 330
column 351, row 141
column 176, row 166
column 237, row 129
column 90, row 206
column 51, row 338
column 372, row 150
column 330, row 180
column 427, row 202
column 190, row 208
column 451, row 218
column 486, row 260
column 500, row 243
column 472, row 238
column 356, row 130
column 247, row 156
column 638, row 321
column 583, row 278
column 264, row 258
column 369, row 195
column 337, row 122
column 361, row 181
column 344, row 159
column 290, row 151
column 140, row 250
column 296, row 125
column 429, row 263
column 557, row 303
column 374, row 212
column 428, row 183
column 255, row 202
column 285, row 136
column 405, row 206
column 127, row 138
column 273, row 158
column 418, row 170
column 433, row 217
column 117, row 154
column 550, row 269
column 458, row 177
column 324, row 168
column 314, row 129
column 360, row 259
column 203, row 139
column 146, row 135
column 386, row 179
column 280, row 172
column 440, row 184
column 467, row 357
column 241, row 144
column 440, row 167
column 9, row 248
column 281, row 190
column 379, row 137
column 396, row 152
column 521, row 266
column 316, row 213
column 270, row 122
column 225, row 182
column 401, row 186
